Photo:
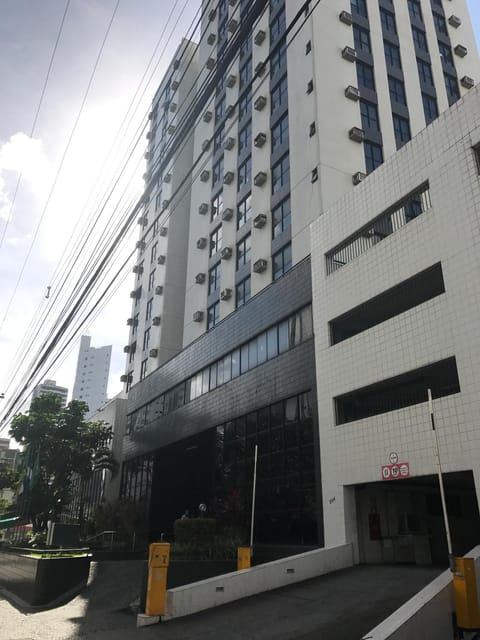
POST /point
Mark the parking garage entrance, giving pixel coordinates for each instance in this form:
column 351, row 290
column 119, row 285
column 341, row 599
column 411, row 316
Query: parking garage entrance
column 401, row 521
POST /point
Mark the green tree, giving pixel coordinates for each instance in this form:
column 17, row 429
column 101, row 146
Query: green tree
column 59, row 446
column 8, row 478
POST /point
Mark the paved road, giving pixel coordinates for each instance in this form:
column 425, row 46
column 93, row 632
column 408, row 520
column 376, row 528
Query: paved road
column 340, row 606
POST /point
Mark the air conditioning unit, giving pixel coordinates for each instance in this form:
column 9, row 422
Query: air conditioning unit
column 165, row 204
column 149, row 135
column 126, row 348
column 167, row 177
column 352, row 93
column 210, row 64
column 150, row 115
column 163, row 231
column 205, row 175
column 232, row 25
column 229, row 143
column 176, row 64
column 136, row 294
column 260, row 68
column 212, row 14
column 140, row 244
column 228, row 177
column 229, row 111
column 260, row 103
column 226, row 294
column 171, row 129
column 232, row 78
column 156, row 321
column 345, row 17
column 349, row 53
column 130, row 322
column 259, row 37
column 206, row 144
column 260, row 265
column 203, row 209
column 161, row 259
column 201, row 243
column 198, row 316
column 454, row 21
column 467, row 82
column 358, row 177
column 211, row 38
column 145, row 176
column 143, row 220
column 260, row 221
column 356, row 134
column 123, row 378
column 153, row 353
column 226, row 253
column 174, row 85
column 260, row 139
column 227, row 214
column 137, row 268
column 173, row 107
column 232, row 3
column 158, row 290
column 200, row 278
column 207, row 116
column 460, row 50
column 260, row 179
column 148, row 155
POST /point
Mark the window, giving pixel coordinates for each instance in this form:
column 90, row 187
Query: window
column 135, row 323
column 279, row 94
column 282, row 261
column 278, row 25
column 146, row 339
column 243, row 251
column 420, row 39
column 214, row 278
column 153, row 253
column 245, row 73
column 361, row 39
column 244, row 173
column 392, row 55
column 219, row 139
column 388, row 21
column 451, row 85
column 140, row 270
column 143, row 369
column 217, row 173
column 246, row 47
column 148, row 311
column 216, row 206
column 242, row 292
column 245, row 104
column 308, row 47
column 476, row 153
column 213, row 315
column 440, row 24
column 281, row 174
column 365, row 76
column 220, row 108
column 373, row 156
column 281, row 218
column 151, row 280
column 445, row 53
column 245, row 138
column 397, row 91
column 280, row 132
column 131, row 355
column 156, row 226
column 401, row 128
column 415, row 10
column 430, row 108
column 369, row 114
column 244, row 211
column 278, row 59
column 359, row 7
column 215, row 241
column 158, row 201
column 425, row 72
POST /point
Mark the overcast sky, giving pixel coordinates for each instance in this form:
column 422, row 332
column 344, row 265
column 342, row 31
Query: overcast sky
column 28, row 30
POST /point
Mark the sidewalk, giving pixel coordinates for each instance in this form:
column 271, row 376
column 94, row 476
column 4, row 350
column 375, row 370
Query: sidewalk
column 339, row 606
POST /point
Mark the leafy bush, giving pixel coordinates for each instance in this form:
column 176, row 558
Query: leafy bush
column 196, row 531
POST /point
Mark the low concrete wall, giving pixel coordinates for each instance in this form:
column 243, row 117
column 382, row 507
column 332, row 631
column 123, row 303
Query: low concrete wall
column 427, row 615
column 184, row 601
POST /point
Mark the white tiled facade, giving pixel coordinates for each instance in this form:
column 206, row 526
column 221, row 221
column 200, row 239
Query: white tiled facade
column 447, row 325
column 91, row 378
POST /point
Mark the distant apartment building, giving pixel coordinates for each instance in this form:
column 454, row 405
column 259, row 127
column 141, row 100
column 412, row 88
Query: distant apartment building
column 50, row 386
column 280, row 110
column 91, row 379
column 8, row 457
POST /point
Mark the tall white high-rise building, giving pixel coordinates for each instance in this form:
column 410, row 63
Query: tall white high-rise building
column 289, row 107
column 50, row 386
column 91, row 378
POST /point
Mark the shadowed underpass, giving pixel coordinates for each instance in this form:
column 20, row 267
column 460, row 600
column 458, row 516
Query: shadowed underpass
column 339, row 606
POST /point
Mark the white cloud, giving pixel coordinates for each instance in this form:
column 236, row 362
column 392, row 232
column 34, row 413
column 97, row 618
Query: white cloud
column 5, row 202
column 24, row 155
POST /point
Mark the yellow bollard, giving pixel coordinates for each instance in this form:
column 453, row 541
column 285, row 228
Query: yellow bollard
column 158, row 561
column 466, row 593
column 244, row 555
